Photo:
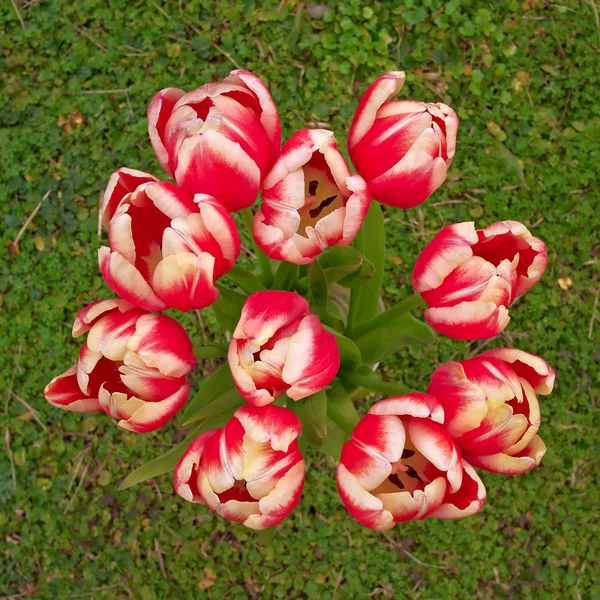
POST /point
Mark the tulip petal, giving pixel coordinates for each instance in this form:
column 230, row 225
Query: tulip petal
column 433, row 441
column 469, row 320
column 159, row 111
column 381, row 90
column 414, row 405
column 150, row 416
column 121, row 182
column 266, row 312
column 185, row 281
column 163, row 344
column 279, row 503
column 126, row 281
column 465, row 404
column 111, row 334
column 268, row 116
column 211, row 164
column 273, row 424
column 448, row 249
column 364, row 507
column 466, row 501
column 313, row 359
column 536, row 371
column 524, row 461
column 64, row 392
column 185, row 475
column 87, row 316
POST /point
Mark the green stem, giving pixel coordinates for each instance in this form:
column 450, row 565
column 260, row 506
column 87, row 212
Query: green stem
column 340, row 408
column 385, row 317
column 264, row 261
column 373, row 383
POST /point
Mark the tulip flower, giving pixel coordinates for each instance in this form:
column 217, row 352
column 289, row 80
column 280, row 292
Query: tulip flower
column 218, row 139
column 469, row 277
column 279, row 347
column 402, row 148
column 401, row 464
column 167, row 247
column 492, row 410
column 133, row 366
column 249, row 471
column 310, row 200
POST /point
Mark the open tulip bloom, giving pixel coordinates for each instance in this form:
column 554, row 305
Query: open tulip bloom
column 166, row 247
column 133, row 366
column 306, row 328
column 249, row 471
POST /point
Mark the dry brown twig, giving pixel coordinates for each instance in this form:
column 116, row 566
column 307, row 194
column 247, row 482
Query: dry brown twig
column 409, row 554
column 14, row 4
column 30, row 408
column 14, row 245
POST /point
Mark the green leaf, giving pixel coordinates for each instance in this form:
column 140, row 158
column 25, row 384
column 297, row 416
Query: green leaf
column 334, row 440
column 164, row 463
column 211, row 350
column 317, row 285
column 370, row 242
column 219, row 383
column 382, row 320
column 286, row 276
column 249, row 282
column 312, row 411
column 340, row 408
column 228, row 403
column 349, row 352
column 347, row 266
column 401, row 331
column 228, row 307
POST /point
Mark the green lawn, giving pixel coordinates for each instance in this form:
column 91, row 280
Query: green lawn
column 524, row 79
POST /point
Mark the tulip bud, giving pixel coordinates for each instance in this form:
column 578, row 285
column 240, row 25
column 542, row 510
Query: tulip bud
column 218, row 139
column 402, row 148
column 491, row 407
column 133, row 366
column 401, row 465
column 469, row 278
column 310, row 200
column 279, row 347
column 167, row 247
column 249, row 471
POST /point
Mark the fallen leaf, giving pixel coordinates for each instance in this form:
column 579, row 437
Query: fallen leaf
column 565, row 283
column 208, row 580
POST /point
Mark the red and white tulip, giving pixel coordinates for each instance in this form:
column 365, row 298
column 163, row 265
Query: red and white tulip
column 401, row 464
column 279, row 347
column 310, row 201
column 492, row 410
column 167, row 247
column 469, row 277
column 403, row 148
column 249, row 471
column 133, row 366
column 218, row 139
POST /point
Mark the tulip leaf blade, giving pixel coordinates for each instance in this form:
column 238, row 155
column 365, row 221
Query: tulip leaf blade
column 349, row 353
column 166, row 462
column 228, row 402
column 370, row 242
column 219, row 383
column 286, row 276
column 312, row 411
column 346, row 266
column 340, row 408
column 404, row 330
column 246, row 280
column 210, row 350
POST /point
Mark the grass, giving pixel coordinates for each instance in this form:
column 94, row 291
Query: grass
column 77, row 77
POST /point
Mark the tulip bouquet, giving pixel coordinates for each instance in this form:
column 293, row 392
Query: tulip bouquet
column 305, row 328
